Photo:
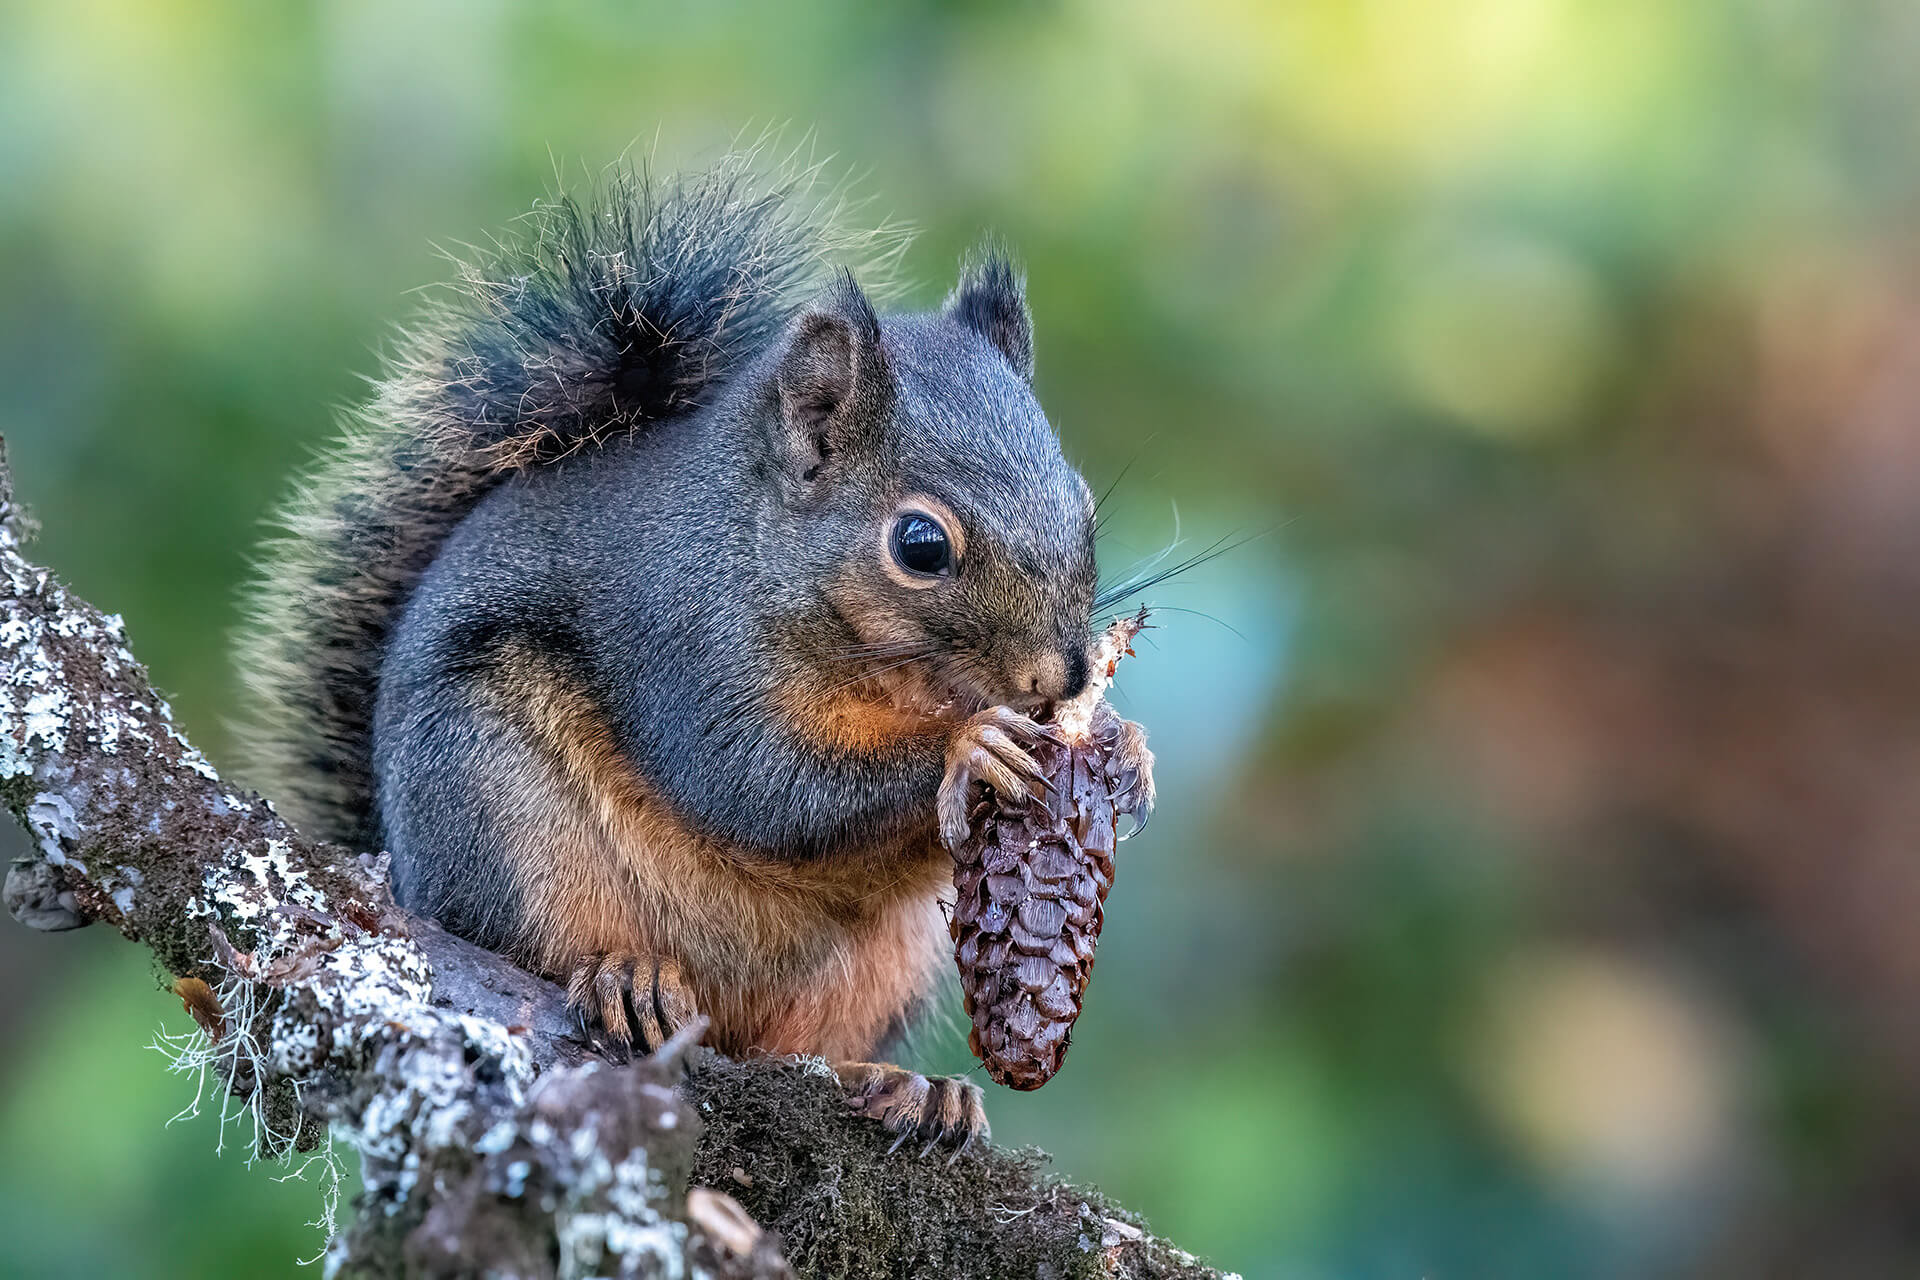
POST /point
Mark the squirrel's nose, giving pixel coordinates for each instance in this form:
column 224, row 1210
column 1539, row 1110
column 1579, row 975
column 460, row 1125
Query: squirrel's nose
column 1051, row 675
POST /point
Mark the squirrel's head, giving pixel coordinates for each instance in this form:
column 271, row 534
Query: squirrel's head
column 924, row 494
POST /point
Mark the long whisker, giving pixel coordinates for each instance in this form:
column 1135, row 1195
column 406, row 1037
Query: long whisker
column 1100, row 515
column 876, row 644
column 881, row 649
column 1113, row 484
column 1145, row 563
column 1146, row 581
column 874, row 672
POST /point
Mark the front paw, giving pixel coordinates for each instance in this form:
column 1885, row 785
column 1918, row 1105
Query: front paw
column 949, row 1110
column 995, row 748
column 627, row 1001
column 1129, row 765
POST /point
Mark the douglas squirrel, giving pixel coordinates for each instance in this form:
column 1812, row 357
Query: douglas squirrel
column 662, row 610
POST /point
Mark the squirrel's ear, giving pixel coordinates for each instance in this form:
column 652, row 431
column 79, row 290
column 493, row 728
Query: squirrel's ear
column 991, row 299
column 833, row 381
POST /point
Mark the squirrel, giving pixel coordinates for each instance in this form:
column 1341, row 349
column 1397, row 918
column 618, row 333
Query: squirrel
column 662, row 611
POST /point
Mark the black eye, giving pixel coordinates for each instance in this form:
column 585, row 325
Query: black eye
column 920, row 545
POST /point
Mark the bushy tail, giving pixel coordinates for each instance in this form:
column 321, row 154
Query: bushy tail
column 608, row 314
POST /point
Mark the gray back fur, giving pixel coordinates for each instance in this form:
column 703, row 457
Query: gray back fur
column 610, row 314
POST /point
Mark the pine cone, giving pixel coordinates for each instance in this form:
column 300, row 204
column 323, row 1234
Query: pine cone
column 1031, row 878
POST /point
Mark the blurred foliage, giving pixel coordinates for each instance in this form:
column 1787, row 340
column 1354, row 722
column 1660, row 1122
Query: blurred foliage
column 1534, row 886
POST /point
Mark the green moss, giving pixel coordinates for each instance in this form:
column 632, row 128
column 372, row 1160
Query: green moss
column 843, row 1207
column 180, row 940
column 16, row 792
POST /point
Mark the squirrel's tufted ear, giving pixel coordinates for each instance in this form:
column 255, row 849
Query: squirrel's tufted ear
column 833, row 381
column 991, row 299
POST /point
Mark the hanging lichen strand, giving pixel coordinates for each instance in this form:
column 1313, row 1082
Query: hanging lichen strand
column 1032, row 876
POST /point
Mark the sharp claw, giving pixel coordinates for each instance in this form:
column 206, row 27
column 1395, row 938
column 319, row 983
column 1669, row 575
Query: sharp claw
column 966, row 1145
column 661, row 1022
column 932, row 1142
column 900, row 1141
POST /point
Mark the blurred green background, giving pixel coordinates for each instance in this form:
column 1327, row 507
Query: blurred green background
column 1536, row 890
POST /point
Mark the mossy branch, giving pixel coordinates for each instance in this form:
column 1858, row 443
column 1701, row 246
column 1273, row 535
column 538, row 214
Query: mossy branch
column 491, row 1137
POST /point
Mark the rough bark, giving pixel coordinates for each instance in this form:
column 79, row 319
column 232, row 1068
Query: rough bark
column 490, row 1136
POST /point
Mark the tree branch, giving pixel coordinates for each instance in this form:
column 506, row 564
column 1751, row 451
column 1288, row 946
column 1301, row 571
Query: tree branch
column 491, row 1137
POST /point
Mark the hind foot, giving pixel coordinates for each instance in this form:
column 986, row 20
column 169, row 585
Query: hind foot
column 940, row 1110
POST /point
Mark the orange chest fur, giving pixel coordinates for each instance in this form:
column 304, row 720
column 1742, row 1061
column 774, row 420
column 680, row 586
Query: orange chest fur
column 789, row 958
column 821, row 956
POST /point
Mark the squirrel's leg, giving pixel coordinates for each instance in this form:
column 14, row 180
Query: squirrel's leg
column 633, row 1002
column 991, row 748
column 942, row 1110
